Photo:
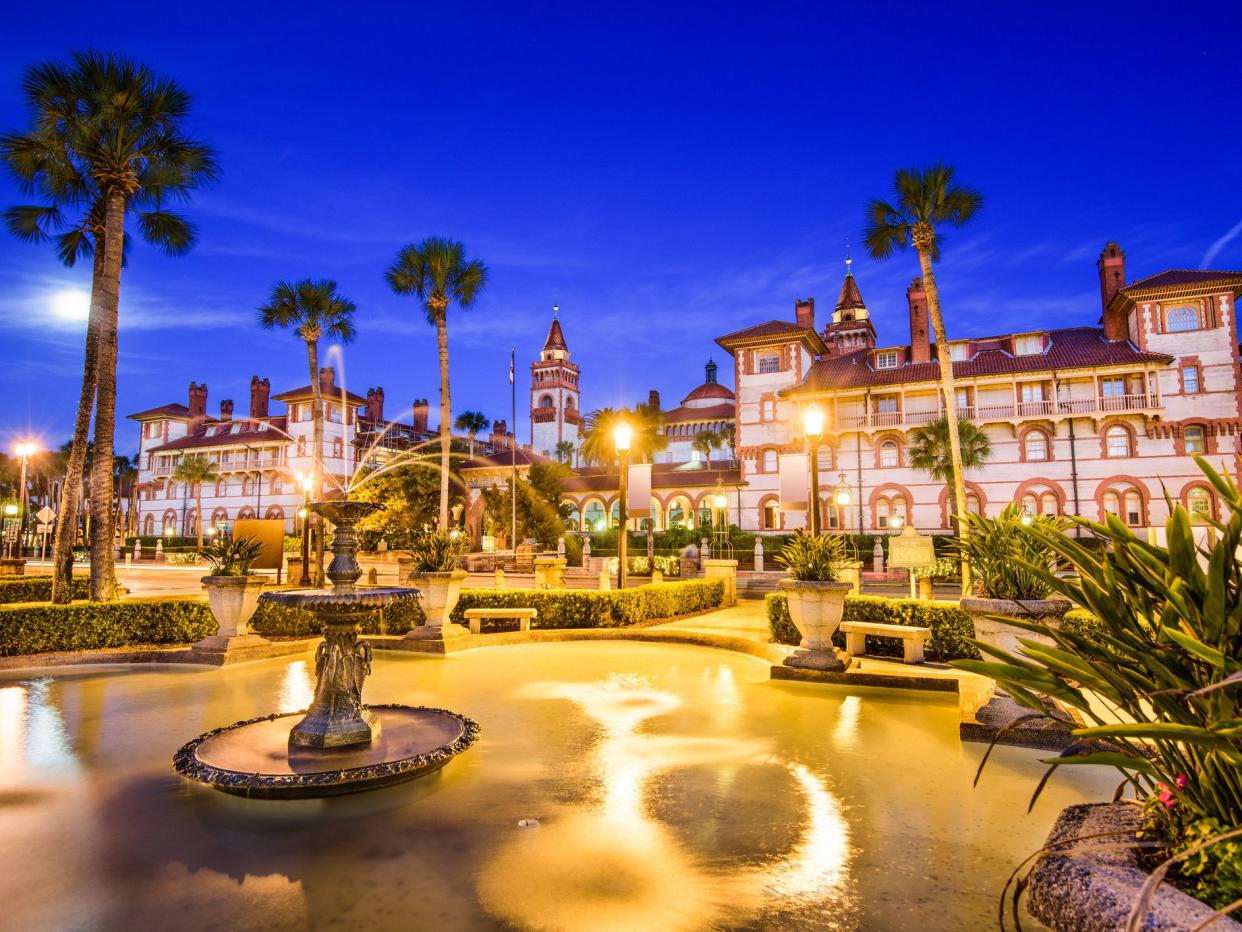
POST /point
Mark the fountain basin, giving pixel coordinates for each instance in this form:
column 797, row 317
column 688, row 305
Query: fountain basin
column 255, row 759
column 358, row 601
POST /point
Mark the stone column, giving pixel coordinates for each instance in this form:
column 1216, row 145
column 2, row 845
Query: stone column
column 852, row 574
column 758, row 554
column 500, row 577
column 877, row 556
column 549, row 572
column 725, row 570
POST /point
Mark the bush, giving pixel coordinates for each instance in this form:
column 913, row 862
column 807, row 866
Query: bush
column 37, row 588
column 272, row 619
column 35, row 629
column 148, row 542
column 950, row 626
column 589, row 608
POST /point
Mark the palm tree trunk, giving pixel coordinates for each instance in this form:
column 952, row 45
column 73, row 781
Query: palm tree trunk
column 950, row 399
column 71, row 489
column 445, row 413
column 317, row 457
column 103, row 578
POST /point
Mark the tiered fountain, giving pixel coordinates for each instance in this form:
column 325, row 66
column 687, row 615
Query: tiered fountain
column 339, row 745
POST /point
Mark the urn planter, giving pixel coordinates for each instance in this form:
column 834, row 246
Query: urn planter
column 995, row 632
column 815, row 609
column 233, row 600
column 438, row 594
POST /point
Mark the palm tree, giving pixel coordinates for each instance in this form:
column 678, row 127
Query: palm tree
column 105, row 137
column 728, row 438
column 565, row 452
column 437, row 273
column 930, row 450
column 194, row 471
column 927, row 199
column 705, row 441
column 312, row 310
column 599, row 447
column 471, row 422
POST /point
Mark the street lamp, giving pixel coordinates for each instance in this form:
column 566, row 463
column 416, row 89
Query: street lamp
column 721, row 548
column 25, row 449
column 841, row 495
column 813, row 430
column 307, row 482
column 621, row 437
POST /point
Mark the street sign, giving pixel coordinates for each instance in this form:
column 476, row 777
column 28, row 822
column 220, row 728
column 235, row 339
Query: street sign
column 45, row 515
column 44, row 528
column 910, row 550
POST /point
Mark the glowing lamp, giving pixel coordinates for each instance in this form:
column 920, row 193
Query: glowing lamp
column 813, row 422
column 897, row 521
column 719, row 501
column 170, row 532
column 26, row 448
column 10, row 509
column 302, row 514
column 622, row 434
column 843, row 492
column 1027, row 517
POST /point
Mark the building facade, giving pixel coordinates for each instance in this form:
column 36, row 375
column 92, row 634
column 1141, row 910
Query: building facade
column 555, row 411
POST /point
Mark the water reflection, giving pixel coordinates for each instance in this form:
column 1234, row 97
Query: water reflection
column 611, row 865
column 33, row 739
column 297, row 688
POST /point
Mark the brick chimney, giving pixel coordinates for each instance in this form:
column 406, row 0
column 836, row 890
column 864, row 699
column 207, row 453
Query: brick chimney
column 260, row 389
column 420, row 415
column 327, row 379
column 804, row 313
column 375, row 405
column 653, row 400
column 198, row 401
column 1112, row 267
column 500, row 435
column 920, row 325
column 226, row 409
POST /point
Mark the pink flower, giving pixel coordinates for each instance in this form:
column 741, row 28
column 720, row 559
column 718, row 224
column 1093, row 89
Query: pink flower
column 1180, row 782
column 1166, row 796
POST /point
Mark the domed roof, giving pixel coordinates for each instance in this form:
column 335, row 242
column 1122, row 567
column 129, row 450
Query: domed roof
column 709, row 391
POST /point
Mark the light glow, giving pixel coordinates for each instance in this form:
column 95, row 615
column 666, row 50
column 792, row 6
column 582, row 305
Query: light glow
column 622, row 435
column 70, row 304
column 813, row 422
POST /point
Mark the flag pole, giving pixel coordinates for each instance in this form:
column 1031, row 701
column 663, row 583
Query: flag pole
column 513, row 449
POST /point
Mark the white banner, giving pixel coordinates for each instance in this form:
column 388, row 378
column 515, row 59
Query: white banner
column 795, row 482
column 638, row 502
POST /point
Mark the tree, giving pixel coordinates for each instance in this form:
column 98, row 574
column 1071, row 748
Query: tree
column 312, row 310
column 437, row 273
column 930, row 450
column 728, row 438
column 471, row 422
column 927, row 199
column 410, row 493
column 540, row 512
column 565, row 452
column 105, row 137
column 705, row 441
column 194, row 471
column 598, row 441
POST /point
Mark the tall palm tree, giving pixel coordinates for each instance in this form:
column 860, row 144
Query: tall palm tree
column 728, row 438
column 926, row 200
column 705, row 441
column 565, row 452
column 194, row 471
column 471, row 422
column 312, row 310
column 931, row 451
column 646, row 434
column 437, row 272
column 105, row 137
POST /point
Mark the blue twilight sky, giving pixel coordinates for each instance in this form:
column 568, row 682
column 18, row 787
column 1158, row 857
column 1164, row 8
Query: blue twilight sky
column 672, row 172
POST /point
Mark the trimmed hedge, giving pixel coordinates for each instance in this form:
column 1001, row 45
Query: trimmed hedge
column 950, row 625
column 273, row 620
column 37, row 589
column 36, row 629
column 589, row 608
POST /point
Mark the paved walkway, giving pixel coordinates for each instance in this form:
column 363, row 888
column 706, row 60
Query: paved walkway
column 748, row 619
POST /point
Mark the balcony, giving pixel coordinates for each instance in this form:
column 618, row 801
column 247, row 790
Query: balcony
column 1012, row 411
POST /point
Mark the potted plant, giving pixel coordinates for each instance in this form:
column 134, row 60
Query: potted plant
column 816, row 597
column 232, row 591
column 433, row 562
column 1001, row 552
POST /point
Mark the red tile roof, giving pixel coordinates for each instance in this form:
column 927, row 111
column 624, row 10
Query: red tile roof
column 714, row 413
column 663, row 476
column 556, row 338
column 1174, row 277
column 709, row 390
column 332, row 394
column 503, row 459
column 242, row 431
column 771, row 328
column 1073, row 348
column 850, row 299
column 172, row 410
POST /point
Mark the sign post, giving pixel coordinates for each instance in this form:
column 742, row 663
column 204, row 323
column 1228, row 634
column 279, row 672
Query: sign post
column 911, row 551
column 45, row 516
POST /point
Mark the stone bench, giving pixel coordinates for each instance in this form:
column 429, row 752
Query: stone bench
column 912, row 638
column 474, row 617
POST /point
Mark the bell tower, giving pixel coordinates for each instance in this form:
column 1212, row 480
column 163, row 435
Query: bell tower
column 555, row 415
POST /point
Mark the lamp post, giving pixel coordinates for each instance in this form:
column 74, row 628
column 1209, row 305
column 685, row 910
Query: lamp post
column 10, row 511
column 813, row 430
column 841, row 496
column 25, row 450
column 721, row 548
column 306, row 482
column 621, row 437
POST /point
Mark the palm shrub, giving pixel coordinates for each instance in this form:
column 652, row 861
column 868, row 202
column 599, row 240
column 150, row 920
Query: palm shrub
column 1164, row 664
column 232, row 556
column 436, row 551
column 812, row 558
column 999, row 550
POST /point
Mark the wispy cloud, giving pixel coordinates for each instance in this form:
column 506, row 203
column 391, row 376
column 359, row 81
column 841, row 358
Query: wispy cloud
column 1217, row 247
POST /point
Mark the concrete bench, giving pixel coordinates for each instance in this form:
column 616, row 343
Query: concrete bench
column 474, row 617
column 912, row 638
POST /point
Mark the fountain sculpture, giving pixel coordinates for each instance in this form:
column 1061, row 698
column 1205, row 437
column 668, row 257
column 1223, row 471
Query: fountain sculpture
column 340, row 745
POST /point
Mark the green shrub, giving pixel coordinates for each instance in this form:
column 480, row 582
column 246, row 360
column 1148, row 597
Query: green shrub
column 590, row 608
column 950, row 626
column 35, row 629
column 274, row 620
column 1000, row 550
column 36, row 588
column 437, row 551
column 814, row 558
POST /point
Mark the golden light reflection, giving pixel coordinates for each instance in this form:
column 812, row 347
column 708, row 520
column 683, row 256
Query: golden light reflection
column 845, row 732
column 12, row 732
column 297, row 687
column 33, row 737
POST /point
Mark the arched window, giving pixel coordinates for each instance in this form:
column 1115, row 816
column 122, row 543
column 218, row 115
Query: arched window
column 245, row 485
column 1199, row 504
column 545, row 401
column 222, row 488
column 679, row 514
column 1195, row 440
column 572, row 518
column 217, row 516
column 1126, row 503
column 148, row 525
column 771, row 516
column 1181, row 319
column 972, row 503
column 245, row 514
column 301, row 446
column 337, row 448
column 889, row 454
column 191, row 522
column 1035, row 447
column 169, row 524
column 594, row 516
column 616, row 515
column 769, row 461
column 275, row 513
column 890, row 512
column 1117, row 442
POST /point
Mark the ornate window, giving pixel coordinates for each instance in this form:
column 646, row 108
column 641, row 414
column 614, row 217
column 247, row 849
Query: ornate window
column 1126, row 504
column 1190, row 379
column 1199, row 504
column 1180, row 319
column 1035, row 447
column 1194, row 439
column 890, row 455
column 769, row 461
column 545, row 401
column 1117, row 442
column 1041, row 503
column 890, row 512
column 769, row 362
column 594, row 516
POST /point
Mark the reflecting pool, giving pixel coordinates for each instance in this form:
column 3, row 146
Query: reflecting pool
column 616, row 786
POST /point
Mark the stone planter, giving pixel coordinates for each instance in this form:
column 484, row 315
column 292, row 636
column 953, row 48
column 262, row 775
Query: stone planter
column 996, row 633
column 815, row 609
column 437, row 592
column 233, row 600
